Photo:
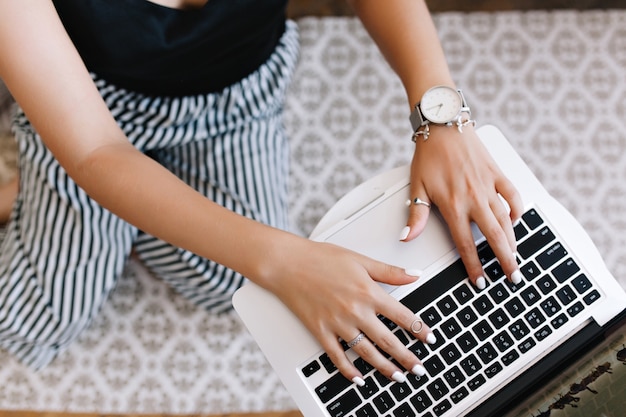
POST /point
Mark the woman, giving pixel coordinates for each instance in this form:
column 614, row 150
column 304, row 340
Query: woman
column 156, row 125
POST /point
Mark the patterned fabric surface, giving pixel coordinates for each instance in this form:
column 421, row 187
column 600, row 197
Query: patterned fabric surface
column 553, row 82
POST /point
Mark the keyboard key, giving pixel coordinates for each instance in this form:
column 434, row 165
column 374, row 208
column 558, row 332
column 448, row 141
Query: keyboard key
column 550, row 306
column 546, row 284
column 566, row 270
column 502, row 341
column 433, row 365
column 575, row 309
column 520, row 231
column 475, row 383
column 498, row 318
column 482, row 330
column 370, row 388
column 494, row 271
column 343, row 405
column 421, row 401
column 329, row 389
column 450, row 353
column 440, row 340
column 499, row 293
column 454, row 377
column 383, row 402
column 519, row 330
column 387, row 322
column 534, row 317
column 493, row 369
column 470, row 365
column 482, row 304
column 566, row 294
column 382, row 379
column 532, row 219
column 467, row 342
column 417, row 381
column 515, row 307
column 559, row 320
column 362, row 365
column 581, row 283
column 509, row 357
column 530, row 270
column 402, row 337
column 447, row 305
column 485, row 253
column 527, row 345
column 437, row 389
column 487, row 353
column 366, row 411
column 467, row 316
column 542, row 333
column 530, row 295
column 459, row 395
column 419, row 349
column 463, row 294
column 404, row 410
column 591, row 297
column 311, row 368
column 514, row 287
column 451, row 328
column 327, row 363
column 400, row 391
column 430, row 316
column 535, row 242
column 551, row 256
column 442, row 407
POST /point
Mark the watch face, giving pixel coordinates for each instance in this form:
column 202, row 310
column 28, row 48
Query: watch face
column 441, row 104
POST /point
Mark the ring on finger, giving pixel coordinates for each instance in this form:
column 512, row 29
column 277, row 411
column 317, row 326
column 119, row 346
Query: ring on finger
column 417, row 201
column 417, row 326
column 352, row 343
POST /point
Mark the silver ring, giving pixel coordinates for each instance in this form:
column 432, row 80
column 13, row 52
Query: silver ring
column 413, row 326
column 356, row 340
column 418, row 201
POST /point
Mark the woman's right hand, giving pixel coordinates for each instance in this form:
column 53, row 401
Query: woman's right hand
column 336, row 294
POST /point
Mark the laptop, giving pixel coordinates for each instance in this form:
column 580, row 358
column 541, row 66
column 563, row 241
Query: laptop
column 494, row 347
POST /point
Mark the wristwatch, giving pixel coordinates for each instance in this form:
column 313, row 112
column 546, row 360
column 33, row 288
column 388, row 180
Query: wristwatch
column 440, row 105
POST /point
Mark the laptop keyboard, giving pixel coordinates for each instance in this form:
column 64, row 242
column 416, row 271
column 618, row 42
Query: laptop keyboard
column 479, row 332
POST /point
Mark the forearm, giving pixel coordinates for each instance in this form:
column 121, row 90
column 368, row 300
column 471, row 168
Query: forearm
column 145, row 194
column 406, row 35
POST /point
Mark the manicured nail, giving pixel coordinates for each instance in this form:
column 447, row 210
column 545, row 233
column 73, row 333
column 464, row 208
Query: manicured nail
column 398, row 377
column 405, row 232
column 516, row 277
column 418, row 370
column 359, row 381
column 431, row 339
column 414, row 272
column 481, row 284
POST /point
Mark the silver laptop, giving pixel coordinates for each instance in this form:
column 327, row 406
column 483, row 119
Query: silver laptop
column 493, row 346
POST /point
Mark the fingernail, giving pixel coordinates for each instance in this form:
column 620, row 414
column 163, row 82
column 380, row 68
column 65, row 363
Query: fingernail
column 481, row 284
column 431, row 339
column 405, row 232
column 359, row 381
column 398, row 377
column 418, row 370
column 414, row 272
column 516, row 277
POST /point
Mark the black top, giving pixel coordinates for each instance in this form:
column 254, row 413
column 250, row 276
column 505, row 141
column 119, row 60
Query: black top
column 156, row 50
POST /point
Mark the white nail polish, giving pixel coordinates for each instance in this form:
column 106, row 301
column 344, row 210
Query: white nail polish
column 481, row 284
column 398, row 377
column 359, row 381
column 418, row 370
column 516, row 277
column 431, row 339
column 405, row 232
column 414, row 272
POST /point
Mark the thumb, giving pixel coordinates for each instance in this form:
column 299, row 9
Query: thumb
column 419, row 210
column 392, row 275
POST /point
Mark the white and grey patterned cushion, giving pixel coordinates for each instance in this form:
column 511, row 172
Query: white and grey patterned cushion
column 553, row 82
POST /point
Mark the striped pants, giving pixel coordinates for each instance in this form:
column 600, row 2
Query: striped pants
column 63, row 253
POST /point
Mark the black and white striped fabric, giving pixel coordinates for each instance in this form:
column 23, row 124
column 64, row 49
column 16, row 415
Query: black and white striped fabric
column 63, row 253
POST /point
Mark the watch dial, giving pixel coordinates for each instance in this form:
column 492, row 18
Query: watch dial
column 441, row 104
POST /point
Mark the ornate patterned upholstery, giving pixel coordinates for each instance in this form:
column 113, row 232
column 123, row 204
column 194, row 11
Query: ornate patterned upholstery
column 553, row 82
